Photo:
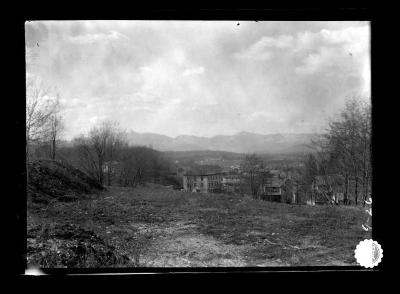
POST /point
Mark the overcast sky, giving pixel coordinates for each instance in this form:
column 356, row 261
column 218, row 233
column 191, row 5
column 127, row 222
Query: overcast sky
column 201, row 77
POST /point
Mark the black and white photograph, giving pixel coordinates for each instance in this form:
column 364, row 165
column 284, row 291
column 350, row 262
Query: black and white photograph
column 198, row 143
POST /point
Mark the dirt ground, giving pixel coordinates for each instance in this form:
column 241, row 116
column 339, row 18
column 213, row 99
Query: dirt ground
column 180, row 245
column 159, row 227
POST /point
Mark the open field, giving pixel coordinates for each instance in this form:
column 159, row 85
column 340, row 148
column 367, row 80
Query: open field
column 155, row 226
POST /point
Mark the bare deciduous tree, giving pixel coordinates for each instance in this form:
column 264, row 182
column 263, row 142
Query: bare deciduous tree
column 87, row 159
column 139, row 164
column 98, row 149
column 55, row 128
column 344, row 151
column 310, row 176
column 41, row 104
column 252, row 165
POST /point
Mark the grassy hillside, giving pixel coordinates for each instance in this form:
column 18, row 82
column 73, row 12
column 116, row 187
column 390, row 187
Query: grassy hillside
column 156, row 226
column 51, row 243
column 52, row 180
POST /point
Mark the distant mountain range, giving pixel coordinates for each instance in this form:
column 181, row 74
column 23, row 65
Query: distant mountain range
column 243, row 142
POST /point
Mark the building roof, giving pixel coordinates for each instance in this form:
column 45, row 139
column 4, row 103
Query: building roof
column 274, row 182
column 203, row 174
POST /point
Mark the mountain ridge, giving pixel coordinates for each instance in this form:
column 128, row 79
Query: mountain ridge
column 242, row 142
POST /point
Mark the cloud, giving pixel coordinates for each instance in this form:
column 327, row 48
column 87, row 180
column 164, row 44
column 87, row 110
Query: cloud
column 283, row 41
column 262, row 49
column 193, row 71
column 319, row 51
column 97, row 38
column 339, row 52
column 201, row 78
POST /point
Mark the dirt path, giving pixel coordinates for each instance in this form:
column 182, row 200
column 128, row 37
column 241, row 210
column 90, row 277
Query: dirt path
column 179, row 244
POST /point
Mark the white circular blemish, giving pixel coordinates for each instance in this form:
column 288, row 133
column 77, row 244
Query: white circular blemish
column 368, row 253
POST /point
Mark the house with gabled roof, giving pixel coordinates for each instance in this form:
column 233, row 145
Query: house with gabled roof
column 202, row 182
column 231, row 182
column 271, row 190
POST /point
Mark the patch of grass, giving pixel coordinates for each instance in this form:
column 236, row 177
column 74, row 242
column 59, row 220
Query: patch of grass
column 132, row 221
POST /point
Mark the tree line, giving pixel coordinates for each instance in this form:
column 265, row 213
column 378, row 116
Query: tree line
column 342, row 158
column 44, row 124
column 339, row 166
column 103, row 153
